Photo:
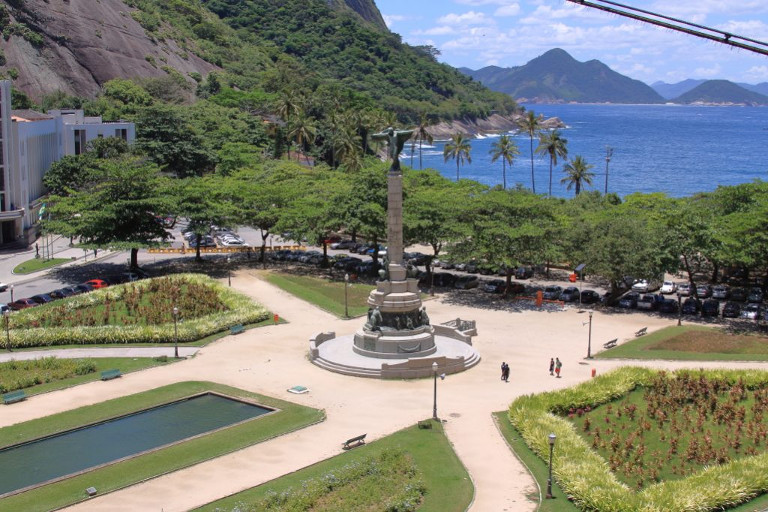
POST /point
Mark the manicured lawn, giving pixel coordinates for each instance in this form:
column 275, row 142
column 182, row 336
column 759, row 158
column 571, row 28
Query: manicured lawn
column 36, row 264
column 448, row 487
column 128, row 472
column 692, row 343
column 100, row 364
column 537, row 467
column 323, row 293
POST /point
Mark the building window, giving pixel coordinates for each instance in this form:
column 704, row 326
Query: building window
column 122, row 133
column 79, row 142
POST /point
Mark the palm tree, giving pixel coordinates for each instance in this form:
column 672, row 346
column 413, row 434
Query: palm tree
column 530, row 124
column 577, row 173
column 552, row 144
column 422, row 134
column 458, row 149
column 303, row 131
column 507, row 150
column 288, row 105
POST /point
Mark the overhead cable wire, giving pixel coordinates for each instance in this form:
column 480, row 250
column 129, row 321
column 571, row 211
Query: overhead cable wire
column 660, row 20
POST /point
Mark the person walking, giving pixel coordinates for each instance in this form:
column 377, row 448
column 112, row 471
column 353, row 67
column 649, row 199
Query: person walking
column 551, row 366
column 503, row 369
column 505, row 373
column 558, row 365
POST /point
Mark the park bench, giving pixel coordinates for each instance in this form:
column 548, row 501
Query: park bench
column 110, row 374
column 611, row 344
column 355, row 441
column 14, row 396
column 641, row 332
column 236, row 329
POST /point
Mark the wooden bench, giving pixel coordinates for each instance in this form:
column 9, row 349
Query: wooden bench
column 110, row 374
column 355, row 441
column 611, row 344
column 641, row 332
column 14, row 396
column 236, row 329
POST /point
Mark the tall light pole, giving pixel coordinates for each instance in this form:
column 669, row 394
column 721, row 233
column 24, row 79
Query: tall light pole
column 346, row 305
column 608, row 155
column 589, row 339
column 434, row 396
column 229, row 272
column 7, row 315
column 552, row 438
column 175, row 332
column 11, row 288
column 679, row 310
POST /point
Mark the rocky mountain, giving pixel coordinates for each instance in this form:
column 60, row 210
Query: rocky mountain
column 366, row 9
column 557, row 77
column 669, row 91
column 721, row 92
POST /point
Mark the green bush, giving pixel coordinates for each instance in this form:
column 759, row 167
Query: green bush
column 16, row 375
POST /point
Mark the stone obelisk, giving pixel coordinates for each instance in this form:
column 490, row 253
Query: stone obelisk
column 397, row 327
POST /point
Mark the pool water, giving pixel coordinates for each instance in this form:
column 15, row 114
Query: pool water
column 74, row 451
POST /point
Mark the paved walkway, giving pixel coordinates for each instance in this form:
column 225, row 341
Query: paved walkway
column 273, row 358
column 78, row 353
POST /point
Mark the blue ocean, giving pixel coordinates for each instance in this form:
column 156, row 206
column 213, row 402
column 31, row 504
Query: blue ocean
column 678, row 150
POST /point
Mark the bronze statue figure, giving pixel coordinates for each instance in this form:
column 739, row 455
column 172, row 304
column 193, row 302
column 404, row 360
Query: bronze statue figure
column 396, row 141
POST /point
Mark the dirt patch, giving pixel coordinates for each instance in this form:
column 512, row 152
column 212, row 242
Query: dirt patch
column 712, row 341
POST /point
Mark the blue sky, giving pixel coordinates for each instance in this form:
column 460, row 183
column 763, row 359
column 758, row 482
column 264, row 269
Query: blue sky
column 478, row 33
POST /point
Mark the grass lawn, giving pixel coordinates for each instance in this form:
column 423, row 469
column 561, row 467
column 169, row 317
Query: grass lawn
column 447, row 482
column 325, row 294
column 537, row 468
column 128, row 472
column 36, row 264
column 124, row 364
column 692, row 343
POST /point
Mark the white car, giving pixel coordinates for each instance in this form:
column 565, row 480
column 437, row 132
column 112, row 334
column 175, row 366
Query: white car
column 233, row 242
column 644, row 286
column 668, row 287
column 3, row 287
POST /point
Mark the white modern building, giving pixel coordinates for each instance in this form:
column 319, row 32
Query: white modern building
column 31, row 142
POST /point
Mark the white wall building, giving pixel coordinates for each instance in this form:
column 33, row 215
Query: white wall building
column 31, row 142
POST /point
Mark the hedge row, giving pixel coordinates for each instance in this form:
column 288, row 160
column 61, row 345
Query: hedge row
column 240, row 310
column 586, row 477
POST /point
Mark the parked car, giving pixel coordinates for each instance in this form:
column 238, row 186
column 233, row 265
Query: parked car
column 97, row 283
column 668, row 287
column 343, row 245
column 721, row 292
column 23, row 304
column 751, row 311
column 739, row 294
column 366, row 268
column 552, row 292
column 62, row 293
column 444, row 279
column 570, row 294
column 710, row 307
column 589, row 297
column 641, row 285
column 649, row 302
column 684, row 289
column 523, row 272
column 516, row 288
column 629, row 300
column 466, row 282
column 349, row 263
column 731, row 310
column 416, row 258
column 755, row 295
column 232, row 242
column 4, row 308
column 494, row 286
column 84, row 288
column 205, row 241
column 308, row 255
column 691, row 306
column 42, row 298
column 3, row 287
column 668, row 306
column 704, row 291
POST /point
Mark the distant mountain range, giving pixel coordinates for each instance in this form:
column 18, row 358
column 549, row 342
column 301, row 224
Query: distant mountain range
column 556, row 77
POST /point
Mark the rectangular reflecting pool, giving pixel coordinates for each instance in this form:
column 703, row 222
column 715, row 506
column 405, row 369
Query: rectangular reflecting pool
column 71, row 452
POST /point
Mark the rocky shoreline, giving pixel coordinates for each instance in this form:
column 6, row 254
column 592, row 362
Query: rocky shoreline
column 494, row 123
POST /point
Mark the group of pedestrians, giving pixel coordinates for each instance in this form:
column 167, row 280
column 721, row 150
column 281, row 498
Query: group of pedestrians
column 554, row 366
column 505, row 372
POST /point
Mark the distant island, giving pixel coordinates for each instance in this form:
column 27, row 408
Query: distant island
column 556, row 77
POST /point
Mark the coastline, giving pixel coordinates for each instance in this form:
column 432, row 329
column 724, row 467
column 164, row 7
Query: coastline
column 494, row 123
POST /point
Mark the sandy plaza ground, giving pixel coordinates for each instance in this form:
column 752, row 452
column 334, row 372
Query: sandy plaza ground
column 271, row 359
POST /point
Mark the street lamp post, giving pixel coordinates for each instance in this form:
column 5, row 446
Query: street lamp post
column 11, row 288
column 589, row 339
column 552, row 438
column 229, row 272
column 608, row 155
column 175, row 332
column 434, row 396
column 679, row 311
column 346, row 305
column 7, row 315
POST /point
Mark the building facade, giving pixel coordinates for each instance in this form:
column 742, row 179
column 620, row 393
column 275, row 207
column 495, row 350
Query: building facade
column 31, row 142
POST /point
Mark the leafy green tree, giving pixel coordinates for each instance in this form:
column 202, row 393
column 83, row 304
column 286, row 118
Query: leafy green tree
column 116, row 209
column 458, row 149
column 577, row 174
column 127, row 93
column 531, row 125
column 552, row 144
column 237, row 155
column 506, row 149
column 303, row 131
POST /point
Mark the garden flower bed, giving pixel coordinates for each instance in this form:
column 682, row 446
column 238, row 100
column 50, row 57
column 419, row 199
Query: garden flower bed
column 140, row 312
column 694, row 478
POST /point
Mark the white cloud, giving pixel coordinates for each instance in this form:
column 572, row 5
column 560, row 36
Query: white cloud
column 757, row 74
column 711, row 72
column 391, row 19
column 468, row 18
column 476, row 3
column 436, row 31
column 507, row 10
